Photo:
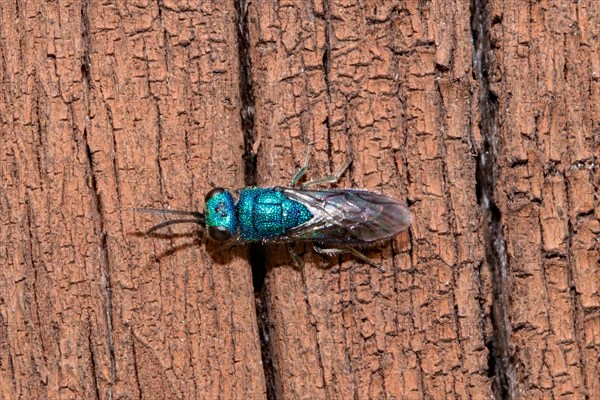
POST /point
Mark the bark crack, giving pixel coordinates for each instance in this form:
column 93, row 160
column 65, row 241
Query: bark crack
column 256, row 253
column 327, row 50
column 575, row 300
column 135, row 367
column 326, row 61
column 486, row 176
column 97, row 207
column 93, row 365
column 30, row 244
column 246, row 91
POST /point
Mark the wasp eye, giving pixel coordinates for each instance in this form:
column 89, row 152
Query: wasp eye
column 213, row 193
column 219, row 233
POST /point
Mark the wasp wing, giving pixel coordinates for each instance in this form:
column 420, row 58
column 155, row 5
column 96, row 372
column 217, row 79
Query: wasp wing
column 348, row 216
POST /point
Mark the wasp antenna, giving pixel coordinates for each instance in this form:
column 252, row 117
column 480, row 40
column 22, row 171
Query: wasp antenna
column 198, row 217
column 175, row 221
column 164, row 211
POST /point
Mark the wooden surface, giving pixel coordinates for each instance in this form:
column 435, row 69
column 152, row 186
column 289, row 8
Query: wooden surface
column 484, row 117
column 546, row 75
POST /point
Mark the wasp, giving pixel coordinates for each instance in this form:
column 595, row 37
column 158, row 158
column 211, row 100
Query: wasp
column 335, row 221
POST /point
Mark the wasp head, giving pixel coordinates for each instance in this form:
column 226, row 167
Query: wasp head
column 220, row 215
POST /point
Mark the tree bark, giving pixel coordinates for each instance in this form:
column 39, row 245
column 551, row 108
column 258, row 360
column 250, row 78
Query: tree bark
column 108, row 107
column 366, row 83
column 544, row 111
column 484, row 116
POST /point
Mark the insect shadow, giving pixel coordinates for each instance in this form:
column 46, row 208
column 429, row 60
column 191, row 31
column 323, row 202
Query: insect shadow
column 257, row 254
column 214, row 250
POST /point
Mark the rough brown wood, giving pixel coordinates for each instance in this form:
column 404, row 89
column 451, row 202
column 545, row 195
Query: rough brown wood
column 546, row 68
column 105, row 107
column 388, row 87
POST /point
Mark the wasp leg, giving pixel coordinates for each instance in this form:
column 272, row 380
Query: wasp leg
column 329, row 178
column 338, row 251
column 227, row 245
column 302, row 170
column 295, row 257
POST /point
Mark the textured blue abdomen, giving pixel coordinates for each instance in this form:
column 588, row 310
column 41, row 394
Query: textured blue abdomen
column 265, row 213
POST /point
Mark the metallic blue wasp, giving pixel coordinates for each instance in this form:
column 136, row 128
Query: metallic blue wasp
column 336, row 221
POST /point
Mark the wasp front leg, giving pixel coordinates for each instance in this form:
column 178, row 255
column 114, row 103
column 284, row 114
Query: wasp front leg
column 329, row 178
column 297, row 260
column 303, row 169
column 325, row 180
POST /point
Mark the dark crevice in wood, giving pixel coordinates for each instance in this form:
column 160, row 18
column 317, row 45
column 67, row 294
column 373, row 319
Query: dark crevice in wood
column 500, row 362
column 34, row 285
column 577, row 312
column 264, row 325
column 97, row 207
column 327, row 50
column 136, row 368
column 246, row 92
column 93, row 365
column 257, row 254
column 326, row 61
column 6, row 349
column 105, row 280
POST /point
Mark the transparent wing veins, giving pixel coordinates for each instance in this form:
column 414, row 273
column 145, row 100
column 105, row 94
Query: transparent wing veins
column 351, row 216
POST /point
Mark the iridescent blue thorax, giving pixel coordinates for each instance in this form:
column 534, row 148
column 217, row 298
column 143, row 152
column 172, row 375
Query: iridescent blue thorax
column 264, row 213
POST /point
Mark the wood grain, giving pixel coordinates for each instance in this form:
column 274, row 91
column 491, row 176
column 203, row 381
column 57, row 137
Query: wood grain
column 483, row 116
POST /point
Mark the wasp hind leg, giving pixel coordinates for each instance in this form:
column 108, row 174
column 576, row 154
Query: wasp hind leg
column 342, row 250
